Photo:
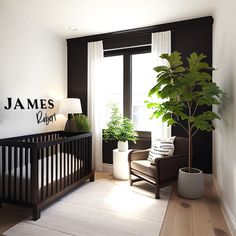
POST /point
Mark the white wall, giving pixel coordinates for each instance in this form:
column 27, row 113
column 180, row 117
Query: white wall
column 224, row 59
column 32, row 65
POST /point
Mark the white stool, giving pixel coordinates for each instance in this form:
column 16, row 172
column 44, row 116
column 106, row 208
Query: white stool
column 120, row 164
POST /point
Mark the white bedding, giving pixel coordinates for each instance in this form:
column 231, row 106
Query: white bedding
column 67, row 169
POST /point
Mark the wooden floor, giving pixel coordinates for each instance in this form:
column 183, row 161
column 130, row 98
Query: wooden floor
column 202, row 217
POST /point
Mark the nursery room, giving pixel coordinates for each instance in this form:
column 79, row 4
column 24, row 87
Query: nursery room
column 117, row 118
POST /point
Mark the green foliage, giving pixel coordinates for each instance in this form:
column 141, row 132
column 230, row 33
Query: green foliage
column 119, row 128
column 82, row 123
column 181, row 90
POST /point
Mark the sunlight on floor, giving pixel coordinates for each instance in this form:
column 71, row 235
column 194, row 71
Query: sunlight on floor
column 127, row 202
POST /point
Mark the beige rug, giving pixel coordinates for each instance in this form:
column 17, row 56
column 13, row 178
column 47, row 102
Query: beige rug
column 100, row 208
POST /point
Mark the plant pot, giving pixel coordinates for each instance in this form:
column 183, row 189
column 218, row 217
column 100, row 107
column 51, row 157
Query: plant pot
column 123, row 146
column 190, row 185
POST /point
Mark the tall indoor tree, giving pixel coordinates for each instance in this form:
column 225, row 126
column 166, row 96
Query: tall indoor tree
column 180, row 91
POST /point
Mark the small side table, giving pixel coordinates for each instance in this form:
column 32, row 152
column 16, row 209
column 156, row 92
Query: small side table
column 120, row 164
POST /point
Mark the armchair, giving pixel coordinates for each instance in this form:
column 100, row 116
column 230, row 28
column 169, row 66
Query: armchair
column 164, row 169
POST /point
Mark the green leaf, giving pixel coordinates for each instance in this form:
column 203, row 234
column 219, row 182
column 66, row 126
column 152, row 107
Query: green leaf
column 180, row 89
column 153, row 90
column 119, row 127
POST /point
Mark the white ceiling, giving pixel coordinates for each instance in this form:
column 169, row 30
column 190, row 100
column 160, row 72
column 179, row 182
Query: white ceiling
column 102, row 16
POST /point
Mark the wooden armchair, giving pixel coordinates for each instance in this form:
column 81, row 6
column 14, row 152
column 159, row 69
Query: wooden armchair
column 164, row 169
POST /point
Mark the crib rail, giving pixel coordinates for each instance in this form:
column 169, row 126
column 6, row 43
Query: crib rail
column 35, row 168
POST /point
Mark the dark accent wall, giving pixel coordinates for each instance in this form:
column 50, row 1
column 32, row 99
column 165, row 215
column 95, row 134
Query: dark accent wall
column 77, row 72
column 198, row 39
column 187, row 36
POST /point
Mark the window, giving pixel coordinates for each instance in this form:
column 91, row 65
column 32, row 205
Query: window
column 112, row 85
column 129, row 77
column 142, row 81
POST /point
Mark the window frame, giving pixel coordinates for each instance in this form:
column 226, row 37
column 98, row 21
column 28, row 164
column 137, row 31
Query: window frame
column 127, row 72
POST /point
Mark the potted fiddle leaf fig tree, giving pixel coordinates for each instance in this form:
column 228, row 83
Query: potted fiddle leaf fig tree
column 119, row 128
column 180, row 92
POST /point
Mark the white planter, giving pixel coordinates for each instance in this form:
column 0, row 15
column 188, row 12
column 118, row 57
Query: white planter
column 190, row 185
column 123, row 146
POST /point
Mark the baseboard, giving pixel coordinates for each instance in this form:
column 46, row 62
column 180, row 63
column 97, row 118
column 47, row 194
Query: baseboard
column 107, row 167
column 229, row 217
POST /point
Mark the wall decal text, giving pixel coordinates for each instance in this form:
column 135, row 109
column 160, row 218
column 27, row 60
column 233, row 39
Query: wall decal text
column 30, row 104
column 46, row 119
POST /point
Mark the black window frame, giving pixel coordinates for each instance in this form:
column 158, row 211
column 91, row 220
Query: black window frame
column 127, row 72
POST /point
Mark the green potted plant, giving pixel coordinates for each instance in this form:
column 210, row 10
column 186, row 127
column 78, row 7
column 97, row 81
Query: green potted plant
column 119, row 128
column 181, row 90
column 82, row 123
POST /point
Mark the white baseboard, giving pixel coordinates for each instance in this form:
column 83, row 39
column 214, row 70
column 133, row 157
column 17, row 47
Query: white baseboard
column 107, row 167
column 229, row 217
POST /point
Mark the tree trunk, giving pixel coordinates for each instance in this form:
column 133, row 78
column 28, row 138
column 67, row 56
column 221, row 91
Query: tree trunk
column 190, row 157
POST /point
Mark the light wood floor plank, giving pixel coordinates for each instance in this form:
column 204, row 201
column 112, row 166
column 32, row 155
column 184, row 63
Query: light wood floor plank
column 216, row 214
column 203, row 217
column 202, row 224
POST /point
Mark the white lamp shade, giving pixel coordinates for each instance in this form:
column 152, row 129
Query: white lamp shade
column 70, row 106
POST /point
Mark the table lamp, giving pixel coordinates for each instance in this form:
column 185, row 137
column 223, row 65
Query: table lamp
column 69, row 107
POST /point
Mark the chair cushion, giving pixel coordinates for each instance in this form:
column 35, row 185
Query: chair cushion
column 145, row 167
column 161, row 148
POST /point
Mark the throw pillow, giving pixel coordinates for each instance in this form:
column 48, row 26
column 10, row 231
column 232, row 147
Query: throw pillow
column 161, row 148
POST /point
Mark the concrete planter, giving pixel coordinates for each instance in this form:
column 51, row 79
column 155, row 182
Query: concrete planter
column 190, row 185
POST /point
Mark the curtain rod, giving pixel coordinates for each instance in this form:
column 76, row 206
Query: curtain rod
column 128, row 47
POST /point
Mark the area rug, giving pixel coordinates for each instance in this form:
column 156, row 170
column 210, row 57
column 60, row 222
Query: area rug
column 100, row 208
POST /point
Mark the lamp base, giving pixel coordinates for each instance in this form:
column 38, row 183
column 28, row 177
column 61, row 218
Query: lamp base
column 70, row 126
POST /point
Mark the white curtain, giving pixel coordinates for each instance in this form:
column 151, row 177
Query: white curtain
column 161, row 43
column 95, row 57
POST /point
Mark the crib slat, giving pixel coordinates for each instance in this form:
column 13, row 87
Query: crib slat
column 64, row 160
column 52, row 166
column 21, row 151
column 77, row 159
column 15, row 171
column 90, row 153
column 56, row 152
column 9, row 170
column 80, row 159
column 83, row 158
column 26, row 174
column 42, row 172
column 3, row 169
column 60, row 167
column 84, row 153
column 71, row 162
column 47, row 169
column 85, row 161
column 74, row 155
column 34, row 175
column 67, row 163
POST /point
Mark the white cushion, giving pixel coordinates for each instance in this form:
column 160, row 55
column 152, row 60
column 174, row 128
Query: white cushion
column 161, row 148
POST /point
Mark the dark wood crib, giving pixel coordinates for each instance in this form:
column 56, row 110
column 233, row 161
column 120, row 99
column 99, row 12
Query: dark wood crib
column 37, row 169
